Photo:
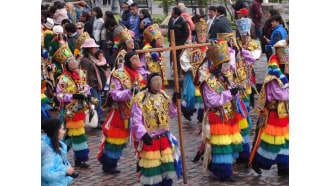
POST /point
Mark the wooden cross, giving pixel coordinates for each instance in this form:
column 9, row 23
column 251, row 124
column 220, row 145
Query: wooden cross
column 173, row 48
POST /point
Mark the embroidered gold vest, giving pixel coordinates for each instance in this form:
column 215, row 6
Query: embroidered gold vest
column 243, row 75
column 157, row 66
column 120, row 55
column 155, row 109
column 282, row 107
column 217, row 85
column 69, row 86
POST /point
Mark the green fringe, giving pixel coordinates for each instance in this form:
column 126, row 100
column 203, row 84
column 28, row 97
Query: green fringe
column 79, row 139
column 198, row 99
column 149, row 172
column 245, row 132
column 45, row 101
column 273, row 148
column 226, row 149
column 114, row 147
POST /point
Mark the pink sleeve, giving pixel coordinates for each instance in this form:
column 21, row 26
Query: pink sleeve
column 232, row 58
column 118, row 94
column 248, row 57
column 212, row 99
column 172, row 110
column 137, row 122
column 273, row 91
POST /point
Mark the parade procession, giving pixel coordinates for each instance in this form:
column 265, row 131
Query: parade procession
column 140, row 104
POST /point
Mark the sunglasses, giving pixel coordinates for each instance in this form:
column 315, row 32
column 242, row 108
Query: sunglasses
column 79, row 28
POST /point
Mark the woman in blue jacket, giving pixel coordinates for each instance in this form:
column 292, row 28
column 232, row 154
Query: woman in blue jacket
column 55, row 168
column 279, row 31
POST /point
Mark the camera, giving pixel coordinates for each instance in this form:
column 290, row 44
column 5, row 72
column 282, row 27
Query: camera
column 74, row 174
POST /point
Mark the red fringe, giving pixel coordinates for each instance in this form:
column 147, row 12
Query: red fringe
column 214, row 119
column 116, row 120
column 157, row 144
column 77, row 117
column 274, row 120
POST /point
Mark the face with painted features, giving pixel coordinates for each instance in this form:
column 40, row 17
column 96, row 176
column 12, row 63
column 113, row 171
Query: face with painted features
column 129, row 45
column 72, row 65
column 225, row 67
column 156, row 84
column 201, row 38
column 135, row 61
column 159, row 42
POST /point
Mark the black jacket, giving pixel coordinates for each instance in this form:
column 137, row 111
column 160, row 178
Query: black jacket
column 239, row 5
column 181, row 30
column 73, row 38
column 220, row 25
column 88, row 27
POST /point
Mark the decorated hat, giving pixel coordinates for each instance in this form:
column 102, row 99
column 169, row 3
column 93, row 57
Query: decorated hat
column 151, row 32
column 57, row 29
column 89, row 43
column 228, row 37
column 123, row 35
column 244, row 26
column 282, row 52
column 81, row 40
column 50, row 23
column 62, row 54
column 201, row 27
column 218, row 53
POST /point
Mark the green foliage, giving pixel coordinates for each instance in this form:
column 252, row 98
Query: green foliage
column 158, row 19
column 166, row 5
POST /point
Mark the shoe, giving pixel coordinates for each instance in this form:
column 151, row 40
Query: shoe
column 112, row 171
column 229, row 179
column 256, row 169
column 197, row 157
column 283, row 173
column 81, row 164
column 186, row 116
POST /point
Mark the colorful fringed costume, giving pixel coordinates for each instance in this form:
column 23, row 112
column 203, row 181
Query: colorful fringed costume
column 273, row 103
column 151, row 115
column 221, row 132
column 152, row 61
column 72, row 110
column 116, row 128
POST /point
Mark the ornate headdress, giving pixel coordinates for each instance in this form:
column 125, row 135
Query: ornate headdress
column 81, row 40
column 62, row 54
column 201, row 27
column 228, row 37
column 244, row 26
column 218, row 53
column 123, row 35
column 282, row 54
column 151, row 32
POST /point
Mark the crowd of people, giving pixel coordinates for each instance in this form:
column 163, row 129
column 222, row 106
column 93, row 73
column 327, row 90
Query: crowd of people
column 89, row 63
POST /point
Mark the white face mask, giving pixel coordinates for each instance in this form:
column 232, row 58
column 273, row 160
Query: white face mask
column 225, row 67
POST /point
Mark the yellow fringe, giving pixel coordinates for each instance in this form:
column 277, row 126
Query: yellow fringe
column 150, row 155
column 167, row 158
column 227, row 139
column 249, row 90
column 168, row 150
column 243, row 123
column 117, row 141
column 274, row 140
column 145, row 163
column 76, row 132
column 43, row 96
column 197, row 92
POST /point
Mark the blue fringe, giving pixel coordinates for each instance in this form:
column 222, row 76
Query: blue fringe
column 44, row 111
column 189, row 91
column 222, row 158
column 282, row 166
column 246, row 147
column 235, row 155
column 80, row 146
column 113, row 155
column 263, row 162
column 222, row 173
column 220, row 167
column 81, row 153
column 108, row 163
column 267, row 154
column 284, row 151
column 244, row 155
column 282, row 159
column 246, row 139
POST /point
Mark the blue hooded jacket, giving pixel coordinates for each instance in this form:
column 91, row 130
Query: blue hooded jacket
column 53, row 165
column 279, row 33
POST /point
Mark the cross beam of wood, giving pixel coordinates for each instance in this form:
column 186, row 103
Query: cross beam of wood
column 173, row 48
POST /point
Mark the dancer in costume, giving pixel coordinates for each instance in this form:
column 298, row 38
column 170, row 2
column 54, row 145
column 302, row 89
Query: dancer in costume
column 240, row 61
column 150, row 124
column 153, row 61
column 220, row 126
column 46, row 86
column 124, row 84
column 193, row 63
column 73, row 92
column 273, row 106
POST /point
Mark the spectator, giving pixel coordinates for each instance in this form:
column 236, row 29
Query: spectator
column 71, row 31
column 106, row 36
column 52, row 11
column 126, row 14
column 181, row 32
column 243, row 13
column 80, row 27
column 80, row 7
column 279, row 32
column 110, row 25
column 191, row 25
column 63, row 23
column 102, row 65
column 88, row 25
column 71, row 12
column 134, row 20
column 88, row 63
column 239, row 5
column 196, row 18
column 145, row 21
column 55, row 167
column 60, row 14
column 98, row 22
column 267, row 31
column 257, row 14
column 209, row 19
column 221, row 24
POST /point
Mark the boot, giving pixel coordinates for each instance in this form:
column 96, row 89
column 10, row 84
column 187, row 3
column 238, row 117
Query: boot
column 198, row 156
column 229, row 179
column 256, row 169
column 111, row 171
column 80, row 164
